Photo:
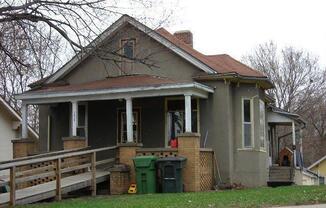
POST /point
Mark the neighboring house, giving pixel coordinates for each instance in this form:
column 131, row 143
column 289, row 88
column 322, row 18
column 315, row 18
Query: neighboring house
column 112, row 100
column 319, row 166
column 10, row 128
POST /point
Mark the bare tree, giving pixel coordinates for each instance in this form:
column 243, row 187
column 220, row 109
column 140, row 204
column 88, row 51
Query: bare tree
column 39, row 59
column 295, row 73
column 33, row 33
column 77, row 21
column 299, row 82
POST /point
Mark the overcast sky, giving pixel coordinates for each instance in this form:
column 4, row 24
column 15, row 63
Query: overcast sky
column 235, row 27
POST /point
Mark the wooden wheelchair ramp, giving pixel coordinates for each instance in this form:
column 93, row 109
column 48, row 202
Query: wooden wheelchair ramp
column 50, row 175
column 48, row 190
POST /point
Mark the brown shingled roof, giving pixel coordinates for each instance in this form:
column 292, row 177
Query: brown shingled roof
column 110, row 83
column 220, row 63
column 230, row 64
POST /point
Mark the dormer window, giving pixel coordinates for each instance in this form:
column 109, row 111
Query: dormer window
column 128, row 48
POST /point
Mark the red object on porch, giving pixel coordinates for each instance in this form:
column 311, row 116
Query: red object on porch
column 174, row 143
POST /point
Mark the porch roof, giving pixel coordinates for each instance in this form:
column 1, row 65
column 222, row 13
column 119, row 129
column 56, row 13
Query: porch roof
column 282, row 117
column 115, row 88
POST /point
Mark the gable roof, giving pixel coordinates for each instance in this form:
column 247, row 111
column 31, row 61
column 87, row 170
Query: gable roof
column 222, row 63
column 210, row 64
column 317, row 162
column 16, row 115
column 125, row 19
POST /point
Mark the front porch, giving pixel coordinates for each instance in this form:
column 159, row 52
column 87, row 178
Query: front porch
column 138, row 120
column 152, row 124
column 284, row 160
column 109, row 114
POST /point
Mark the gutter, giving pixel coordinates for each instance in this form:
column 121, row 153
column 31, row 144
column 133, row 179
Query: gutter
column 233, row 75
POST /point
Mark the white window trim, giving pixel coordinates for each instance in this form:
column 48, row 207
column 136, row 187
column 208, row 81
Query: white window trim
column 251, row 122
column 137, row 110
column 86, row 120
column 137, row 120
column 264, row 126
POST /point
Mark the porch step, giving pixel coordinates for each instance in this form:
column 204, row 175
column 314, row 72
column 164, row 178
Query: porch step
column 281, row 174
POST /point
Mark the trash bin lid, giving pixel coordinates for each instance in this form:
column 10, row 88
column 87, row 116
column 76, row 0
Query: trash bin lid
column 172, row 159
column 144, row 161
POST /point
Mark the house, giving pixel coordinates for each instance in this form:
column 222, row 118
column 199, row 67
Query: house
column 319, row 166
column 154, row 89
column 10, row 127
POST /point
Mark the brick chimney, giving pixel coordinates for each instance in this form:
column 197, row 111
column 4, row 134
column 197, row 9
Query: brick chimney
column 185, row 36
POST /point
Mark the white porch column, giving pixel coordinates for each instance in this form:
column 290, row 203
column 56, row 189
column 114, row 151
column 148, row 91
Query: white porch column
column 294, row 145
column 129, row 120
column 74, row 118
column 24, row 112
column 188, row 113
column 301, row 148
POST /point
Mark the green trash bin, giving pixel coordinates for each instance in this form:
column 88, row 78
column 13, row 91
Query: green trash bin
column 145, row 174
column 170, row 174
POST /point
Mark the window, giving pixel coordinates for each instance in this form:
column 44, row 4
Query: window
column 176, row 117
column 262, row 123
column 128, row 48
column 247, row 128
column 82, row 120
column 122, row 126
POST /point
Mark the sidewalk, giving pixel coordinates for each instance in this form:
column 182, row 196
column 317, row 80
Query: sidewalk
column 307, row 206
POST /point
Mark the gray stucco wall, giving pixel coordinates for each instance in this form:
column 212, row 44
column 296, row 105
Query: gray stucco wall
column 167, row 64
column 221, row 121
column 250, row 165
column 216, row 123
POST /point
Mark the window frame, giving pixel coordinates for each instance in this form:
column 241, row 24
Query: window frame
column 120, row 112
column 262, row 128
column 133, row 40
column 85, row 127
column 243, row 122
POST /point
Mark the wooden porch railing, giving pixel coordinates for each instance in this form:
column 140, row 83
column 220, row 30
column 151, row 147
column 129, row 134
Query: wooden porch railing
column 62, row 164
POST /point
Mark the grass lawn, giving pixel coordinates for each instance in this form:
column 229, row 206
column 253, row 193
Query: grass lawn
column 258, row 197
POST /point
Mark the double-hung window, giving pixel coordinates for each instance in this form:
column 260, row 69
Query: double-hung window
column 82, row 120
column 122, row 125
column 128, row 48
column 262, row 123
column 247, row 123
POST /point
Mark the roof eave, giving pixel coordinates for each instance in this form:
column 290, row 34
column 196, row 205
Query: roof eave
column 317, row 162
column 235, row 77
column 126, row 91
column 17, row 116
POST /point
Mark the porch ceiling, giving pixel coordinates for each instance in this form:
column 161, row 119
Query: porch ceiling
column 115, row 88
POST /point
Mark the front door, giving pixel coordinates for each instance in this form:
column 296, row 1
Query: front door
column 175, row 117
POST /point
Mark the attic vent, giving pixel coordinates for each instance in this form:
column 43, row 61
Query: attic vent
column 185, row 36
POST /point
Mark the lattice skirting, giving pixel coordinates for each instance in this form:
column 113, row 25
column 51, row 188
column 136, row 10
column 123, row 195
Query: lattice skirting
column 206, row 170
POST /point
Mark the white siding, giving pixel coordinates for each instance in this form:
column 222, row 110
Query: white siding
column 6, row 135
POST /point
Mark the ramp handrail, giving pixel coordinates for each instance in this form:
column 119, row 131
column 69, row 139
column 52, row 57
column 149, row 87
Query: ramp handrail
column 72, row 165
